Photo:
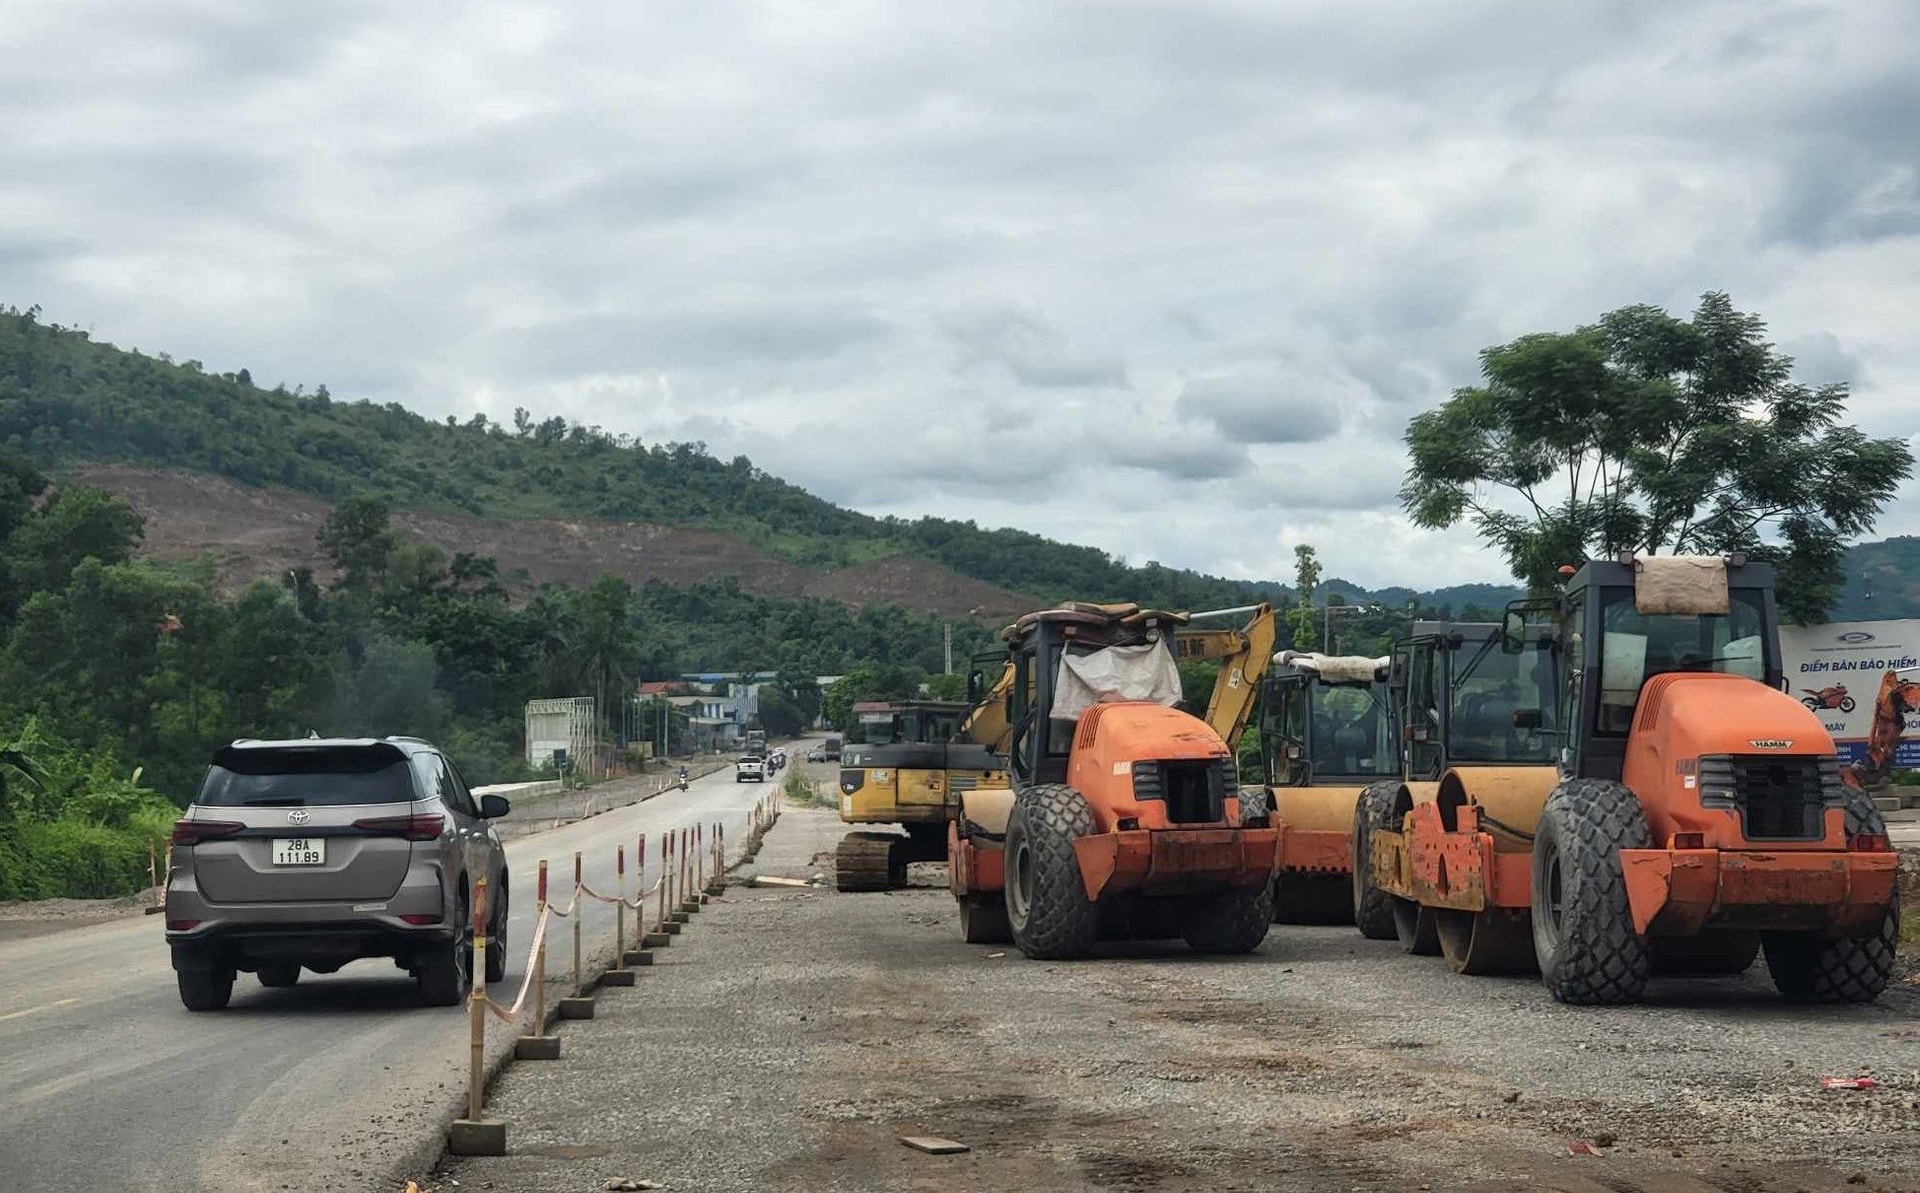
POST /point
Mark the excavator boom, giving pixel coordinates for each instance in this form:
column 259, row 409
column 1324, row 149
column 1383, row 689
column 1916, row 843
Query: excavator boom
column 1244, row 654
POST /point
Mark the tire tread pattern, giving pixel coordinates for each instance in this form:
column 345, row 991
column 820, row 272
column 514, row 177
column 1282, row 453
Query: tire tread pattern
column 1600, row 960
column 1372, row 907
column 1810, row 970
column 1062, row 923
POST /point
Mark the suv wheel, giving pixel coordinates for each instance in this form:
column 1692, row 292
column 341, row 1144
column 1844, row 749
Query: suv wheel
column 205, row 989
column 445, row 970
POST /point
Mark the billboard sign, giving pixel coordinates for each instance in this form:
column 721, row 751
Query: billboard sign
column 1836, row 670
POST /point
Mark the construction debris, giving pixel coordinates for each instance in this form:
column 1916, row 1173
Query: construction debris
column 933, row 1145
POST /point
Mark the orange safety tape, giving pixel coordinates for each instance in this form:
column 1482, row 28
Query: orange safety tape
column 634, row 902
column 509, row 1014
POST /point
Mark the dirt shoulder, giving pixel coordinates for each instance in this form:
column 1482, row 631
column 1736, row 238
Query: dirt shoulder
column 792, row 1036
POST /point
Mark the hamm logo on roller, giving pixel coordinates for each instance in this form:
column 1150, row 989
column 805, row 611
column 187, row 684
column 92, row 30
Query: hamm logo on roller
column 1771, row 743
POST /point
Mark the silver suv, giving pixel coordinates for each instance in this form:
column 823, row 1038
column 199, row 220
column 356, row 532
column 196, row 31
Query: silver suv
column 319, row 852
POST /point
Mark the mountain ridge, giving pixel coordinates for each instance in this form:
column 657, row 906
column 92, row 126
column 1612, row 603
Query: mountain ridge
column 129, row 421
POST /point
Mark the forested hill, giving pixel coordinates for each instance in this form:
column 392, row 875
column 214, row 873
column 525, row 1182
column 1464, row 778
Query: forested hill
column 65, row 398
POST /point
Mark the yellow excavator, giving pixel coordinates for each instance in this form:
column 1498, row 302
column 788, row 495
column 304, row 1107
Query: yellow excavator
column 920, row 756
column 917, row 759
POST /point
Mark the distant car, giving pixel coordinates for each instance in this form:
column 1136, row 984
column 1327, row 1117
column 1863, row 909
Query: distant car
column 816, row 755
column 750, row 766
column 310, row 854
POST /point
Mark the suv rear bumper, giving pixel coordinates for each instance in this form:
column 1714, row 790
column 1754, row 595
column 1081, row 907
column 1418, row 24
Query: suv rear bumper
column 1685, row 890
column 332, row 933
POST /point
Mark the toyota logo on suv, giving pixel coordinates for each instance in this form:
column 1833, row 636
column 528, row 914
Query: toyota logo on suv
column 297, row 816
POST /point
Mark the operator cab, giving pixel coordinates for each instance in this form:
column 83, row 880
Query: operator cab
column 1477, row 693
column 1614, row 638
column 1327, row 721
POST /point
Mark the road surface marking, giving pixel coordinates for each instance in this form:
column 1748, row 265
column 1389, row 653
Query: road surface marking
column 36, row 1010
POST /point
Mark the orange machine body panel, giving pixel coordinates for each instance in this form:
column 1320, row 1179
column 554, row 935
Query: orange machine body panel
column 1725, row 878
column 1110, row 738
column 1151, row 854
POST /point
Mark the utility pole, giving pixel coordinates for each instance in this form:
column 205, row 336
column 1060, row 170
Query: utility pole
column 948, row 627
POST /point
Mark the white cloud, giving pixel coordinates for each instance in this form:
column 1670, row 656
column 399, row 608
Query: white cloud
column 1163, row 276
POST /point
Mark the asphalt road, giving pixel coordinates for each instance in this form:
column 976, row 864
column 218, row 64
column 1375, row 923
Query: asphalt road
column 107, row 1082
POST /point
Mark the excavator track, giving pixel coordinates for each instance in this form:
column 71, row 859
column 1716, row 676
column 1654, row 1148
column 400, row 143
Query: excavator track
column 870, row 862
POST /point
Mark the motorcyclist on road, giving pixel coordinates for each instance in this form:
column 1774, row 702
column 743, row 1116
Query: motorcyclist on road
column 683, row 778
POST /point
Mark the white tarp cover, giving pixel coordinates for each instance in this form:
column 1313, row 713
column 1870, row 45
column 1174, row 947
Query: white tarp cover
column 1344, row 668
column 1115, row 673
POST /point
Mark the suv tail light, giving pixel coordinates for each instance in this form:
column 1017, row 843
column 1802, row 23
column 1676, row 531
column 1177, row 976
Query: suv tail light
column 192, row 832
column 426, row 827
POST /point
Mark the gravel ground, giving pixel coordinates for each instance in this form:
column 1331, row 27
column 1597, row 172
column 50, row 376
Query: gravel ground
column 792, row 1036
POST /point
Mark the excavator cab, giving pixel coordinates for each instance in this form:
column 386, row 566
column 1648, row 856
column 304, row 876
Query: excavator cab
column 914, row 760
column 1123, row 817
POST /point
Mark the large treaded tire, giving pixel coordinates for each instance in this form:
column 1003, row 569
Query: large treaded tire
column 1583, row 933
column 1372, row 907
column 1807, row 968
column 1047, row 906
column 1229, row 922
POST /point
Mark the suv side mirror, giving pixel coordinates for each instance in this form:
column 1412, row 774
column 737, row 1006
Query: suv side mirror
column 493, row 807
column 1513, row 631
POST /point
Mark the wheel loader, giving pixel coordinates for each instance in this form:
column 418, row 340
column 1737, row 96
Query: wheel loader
column 1122, row 816
column 1326, row 734
column 1693, row 816
column 921, row 754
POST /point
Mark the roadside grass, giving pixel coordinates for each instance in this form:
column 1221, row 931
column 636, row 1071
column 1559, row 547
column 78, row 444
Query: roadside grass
column 799, row 791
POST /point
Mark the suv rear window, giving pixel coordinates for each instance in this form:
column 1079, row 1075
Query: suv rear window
column 298, row 777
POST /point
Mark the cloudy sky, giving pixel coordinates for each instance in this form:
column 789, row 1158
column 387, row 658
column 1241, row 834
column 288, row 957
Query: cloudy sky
column 1167, row 276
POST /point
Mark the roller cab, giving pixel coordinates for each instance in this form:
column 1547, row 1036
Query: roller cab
column 1326, row 733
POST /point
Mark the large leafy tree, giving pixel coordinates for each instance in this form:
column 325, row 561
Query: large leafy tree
column 1646, row 432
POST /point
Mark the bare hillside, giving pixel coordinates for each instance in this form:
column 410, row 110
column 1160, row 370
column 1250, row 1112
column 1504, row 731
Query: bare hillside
column 253, row 533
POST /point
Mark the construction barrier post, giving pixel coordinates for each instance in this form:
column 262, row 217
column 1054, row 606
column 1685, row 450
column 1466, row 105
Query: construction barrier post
column 539, row 1045
column 642, row 939
column 477, row 1001
column 158, row 879
column 619, row 975
column 474, row 1135
column 579, row 1005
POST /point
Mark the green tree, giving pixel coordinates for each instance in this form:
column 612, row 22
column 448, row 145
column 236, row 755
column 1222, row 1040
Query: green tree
column 1305, row 577
column 947, row 687
column 75, row 524
column 1645, row 432
column 359, row 540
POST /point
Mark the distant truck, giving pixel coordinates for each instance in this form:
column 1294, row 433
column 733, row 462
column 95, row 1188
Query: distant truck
column 756, row 741
column 833, row 749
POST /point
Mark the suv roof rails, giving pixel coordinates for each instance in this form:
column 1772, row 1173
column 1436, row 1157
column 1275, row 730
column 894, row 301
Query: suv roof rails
column 418, row 741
